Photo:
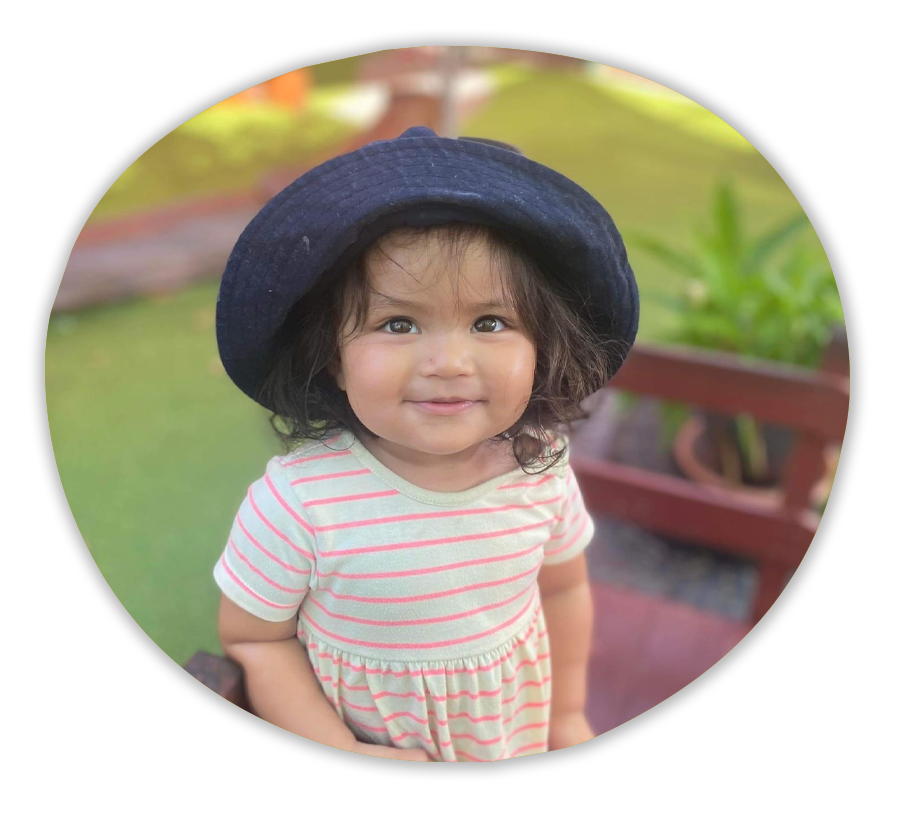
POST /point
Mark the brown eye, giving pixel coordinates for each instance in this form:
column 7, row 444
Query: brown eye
column 394, row 322
column 493, row 320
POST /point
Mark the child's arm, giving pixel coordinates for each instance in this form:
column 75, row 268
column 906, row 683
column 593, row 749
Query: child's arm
column 570, row 621
column 281, row 685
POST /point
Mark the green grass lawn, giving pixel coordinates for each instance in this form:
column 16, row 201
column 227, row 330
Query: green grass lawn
column 156, row 447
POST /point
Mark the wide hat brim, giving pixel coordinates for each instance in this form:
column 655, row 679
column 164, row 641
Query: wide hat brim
column 337, row 208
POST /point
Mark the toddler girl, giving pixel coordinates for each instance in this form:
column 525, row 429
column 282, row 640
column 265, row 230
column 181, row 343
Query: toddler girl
column 423, row 316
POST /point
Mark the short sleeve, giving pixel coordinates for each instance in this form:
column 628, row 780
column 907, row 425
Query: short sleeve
column 573, row 529
column 271, row 551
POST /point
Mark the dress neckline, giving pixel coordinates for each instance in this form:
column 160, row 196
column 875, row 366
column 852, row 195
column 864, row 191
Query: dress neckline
column 426, row 495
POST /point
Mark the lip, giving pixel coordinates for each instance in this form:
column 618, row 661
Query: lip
column 446, row 408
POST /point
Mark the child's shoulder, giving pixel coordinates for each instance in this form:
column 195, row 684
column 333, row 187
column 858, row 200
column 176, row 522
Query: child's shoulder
column 306, row 455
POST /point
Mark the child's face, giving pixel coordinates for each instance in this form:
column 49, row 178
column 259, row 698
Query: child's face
column 431, row 350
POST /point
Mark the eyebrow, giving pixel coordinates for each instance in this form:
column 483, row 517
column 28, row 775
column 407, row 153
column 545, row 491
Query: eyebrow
column 383, row 301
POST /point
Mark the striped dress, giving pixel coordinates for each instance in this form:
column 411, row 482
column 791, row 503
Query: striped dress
column 419, row 610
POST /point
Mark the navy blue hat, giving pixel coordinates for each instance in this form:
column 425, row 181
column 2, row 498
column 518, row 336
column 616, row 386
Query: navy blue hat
column 324, row 218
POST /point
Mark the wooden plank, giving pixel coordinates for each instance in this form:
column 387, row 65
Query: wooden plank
column 707, row 516
column 159, row 219
column 805, row 467
column 798, row 398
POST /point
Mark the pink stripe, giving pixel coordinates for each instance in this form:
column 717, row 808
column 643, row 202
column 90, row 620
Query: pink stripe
column 274, row 530
column 287, row 566
column 269, row 580
column 349, row 498
column 433, row 570
column 470, row 694
column 340, row 474
column 417, row 645
column 567, row 508
column 463, row 715
column 536, row 746
column 437, row 595
column 300, row 520
column 427, row 621
column 474, row 738
column 397, row 546
column 251, row 592
column 464, row 512
column 545, row 480
column 530, row 682
column 453, row 736
column 301, row 460
column 531, row 726
column 344, row 684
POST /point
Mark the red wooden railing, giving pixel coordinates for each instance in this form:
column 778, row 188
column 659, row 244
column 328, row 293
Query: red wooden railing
column 775, row 533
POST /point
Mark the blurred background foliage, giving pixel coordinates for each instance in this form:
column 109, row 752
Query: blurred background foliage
column 222, row 150
column 154, row 444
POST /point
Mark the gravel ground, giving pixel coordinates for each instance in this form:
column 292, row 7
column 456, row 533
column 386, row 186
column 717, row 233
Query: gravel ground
column 626, row 555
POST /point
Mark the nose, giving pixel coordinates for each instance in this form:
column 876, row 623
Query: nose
column 449, row 351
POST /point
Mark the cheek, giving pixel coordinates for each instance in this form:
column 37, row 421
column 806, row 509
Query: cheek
column 515, row 368
column 374, row 369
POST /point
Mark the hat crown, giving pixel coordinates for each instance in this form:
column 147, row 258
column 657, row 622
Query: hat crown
column 426, row 131
column 418, row 131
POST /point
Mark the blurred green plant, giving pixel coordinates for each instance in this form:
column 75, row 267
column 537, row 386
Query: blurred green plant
column 761, row 298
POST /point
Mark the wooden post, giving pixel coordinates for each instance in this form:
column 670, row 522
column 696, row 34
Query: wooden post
column 449, row 66
column 807, row 463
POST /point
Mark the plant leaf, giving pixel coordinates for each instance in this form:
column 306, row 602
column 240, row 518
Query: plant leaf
column 677, row 260
column 728, row 237
column 763, row 247
column 672, row 301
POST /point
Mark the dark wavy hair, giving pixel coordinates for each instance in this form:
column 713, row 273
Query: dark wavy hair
column 572, row 362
